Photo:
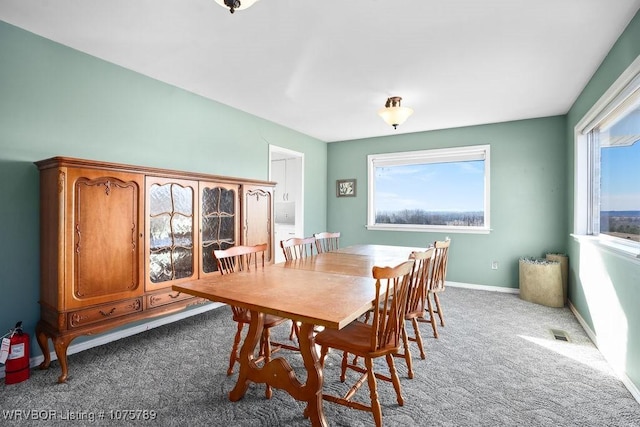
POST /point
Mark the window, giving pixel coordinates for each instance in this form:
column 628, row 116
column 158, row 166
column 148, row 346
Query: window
column 431, row 190
column 608, row 167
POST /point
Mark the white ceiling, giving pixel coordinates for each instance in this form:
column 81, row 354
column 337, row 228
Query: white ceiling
column 324, row 67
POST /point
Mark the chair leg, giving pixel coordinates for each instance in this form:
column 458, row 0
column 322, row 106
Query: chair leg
column 267, row 357
column 343, row 373
column 295, row 330
column 323, row 355
column 416, row 331
column 376, row 409
column 355, row 360
column 407, row 351
column 394, row 379
column 439, row 309
column 432, row 318
column 233, row 358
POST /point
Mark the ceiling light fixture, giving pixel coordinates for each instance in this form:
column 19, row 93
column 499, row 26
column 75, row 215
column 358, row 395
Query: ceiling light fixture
column 234, row 5
column 393, row 113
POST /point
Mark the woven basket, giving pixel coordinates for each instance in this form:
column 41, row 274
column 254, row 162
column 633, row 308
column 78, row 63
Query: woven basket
column 541, row 282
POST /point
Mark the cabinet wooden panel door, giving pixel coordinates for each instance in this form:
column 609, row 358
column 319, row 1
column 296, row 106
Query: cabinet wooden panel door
column 171, row 239
column 258, row 217
column 103, row 222
column 219, row 207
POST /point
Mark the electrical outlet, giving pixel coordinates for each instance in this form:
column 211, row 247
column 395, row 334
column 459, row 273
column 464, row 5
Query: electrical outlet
column 494, row 265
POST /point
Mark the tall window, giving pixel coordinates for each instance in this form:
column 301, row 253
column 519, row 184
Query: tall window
column 431, row 190
column 618, row 146
column 609, row 138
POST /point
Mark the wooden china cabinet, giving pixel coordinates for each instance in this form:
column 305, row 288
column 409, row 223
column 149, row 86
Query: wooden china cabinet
column 114, row 238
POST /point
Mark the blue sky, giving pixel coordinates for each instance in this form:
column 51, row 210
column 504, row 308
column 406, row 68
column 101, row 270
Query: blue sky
column 455, row 186
column 620, row 178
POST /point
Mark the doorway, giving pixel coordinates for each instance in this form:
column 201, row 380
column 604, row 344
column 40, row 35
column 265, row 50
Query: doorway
column 286, row 168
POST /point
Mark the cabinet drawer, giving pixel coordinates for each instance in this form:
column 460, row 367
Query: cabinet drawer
column 104, row 312
column 165, row 297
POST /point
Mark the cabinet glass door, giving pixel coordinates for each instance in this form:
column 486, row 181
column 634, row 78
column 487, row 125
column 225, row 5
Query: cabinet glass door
column 171, row 237
column 219, row 221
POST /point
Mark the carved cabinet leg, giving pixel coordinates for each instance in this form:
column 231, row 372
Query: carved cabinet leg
column 43, row 342
column 61, row 344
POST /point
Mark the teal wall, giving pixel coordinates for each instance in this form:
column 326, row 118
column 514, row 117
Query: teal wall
column 528, row 193
column 55, row 101
column 605, row 288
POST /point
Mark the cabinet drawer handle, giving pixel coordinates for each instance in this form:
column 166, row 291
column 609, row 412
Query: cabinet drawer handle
column 174, row 296
column 109, row 313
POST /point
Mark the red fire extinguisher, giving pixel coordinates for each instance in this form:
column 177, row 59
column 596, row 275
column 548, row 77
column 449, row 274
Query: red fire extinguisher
column 16, row 367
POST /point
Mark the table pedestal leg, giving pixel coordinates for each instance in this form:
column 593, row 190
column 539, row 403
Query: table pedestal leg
column 279, row 374
column 313, row 388
column 247, row 364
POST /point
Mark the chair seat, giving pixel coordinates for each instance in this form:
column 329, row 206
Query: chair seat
column 417, row 312
column 270, row 320
column 354, row 338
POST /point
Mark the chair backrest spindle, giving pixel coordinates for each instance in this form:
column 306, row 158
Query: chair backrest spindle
column 439, row 268
column 239, row 258
column 392, row 286
column 419, row 286
column 296, row 247
column 327, row 241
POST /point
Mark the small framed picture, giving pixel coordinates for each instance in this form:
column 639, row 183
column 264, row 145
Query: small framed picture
column 346, row 188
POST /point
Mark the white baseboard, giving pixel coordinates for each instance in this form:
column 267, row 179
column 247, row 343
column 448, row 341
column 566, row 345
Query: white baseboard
column 483, row 287
column 635, row 392
column 585, row 326
column 123, row 333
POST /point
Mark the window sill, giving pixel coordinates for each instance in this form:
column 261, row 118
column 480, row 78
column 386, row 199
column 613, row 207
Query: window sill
column 428, row 229
column 629, row 252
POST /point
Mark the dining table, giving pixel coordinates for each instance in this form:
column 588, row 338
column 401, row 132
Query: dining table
column 330, row 290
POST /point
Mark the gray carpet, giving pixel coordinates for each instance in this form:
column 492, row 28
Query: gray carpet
column 495, row 363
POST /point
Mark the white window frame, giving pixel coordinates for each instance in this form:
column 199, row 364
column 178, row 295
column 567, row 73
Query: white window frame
column 585, row 224
column 440, row 155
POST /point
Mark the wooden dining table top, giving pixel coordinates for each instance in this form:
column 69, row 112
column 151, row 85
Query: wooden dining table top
column 330, row 289
column 320, row 298
column 380, row 251
column 352, row 264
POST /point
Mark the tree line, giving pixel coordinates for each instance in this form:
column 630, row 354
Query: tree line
column 422, row 217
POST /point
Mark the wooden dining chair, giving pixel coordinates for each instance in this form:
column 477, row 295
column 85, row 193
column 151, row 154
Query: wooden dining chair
column 382, row 337
column 243, row 258
column 327, row 241
column 437, row 284
column 416, row 305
